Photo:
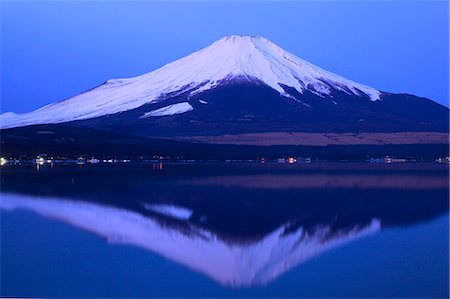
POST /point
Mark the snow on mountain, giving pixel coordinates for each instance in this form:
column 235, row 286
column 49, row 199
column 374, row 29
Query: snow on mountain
column 170, row 110
column 233, row 57
column 230, row 263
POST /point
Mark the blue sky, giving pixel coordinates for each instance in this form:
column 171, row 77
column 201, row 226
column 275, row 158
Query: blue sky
column 53, row 50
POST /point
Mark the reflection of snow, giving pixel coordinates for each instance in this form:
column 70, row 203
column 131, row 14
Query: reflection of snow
column 168, row 210
column 231, row 263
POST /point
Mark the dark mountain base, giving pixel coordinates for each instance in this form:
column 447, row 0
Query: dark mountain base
column 73, row 141
column 249, row 120
column 238, row 107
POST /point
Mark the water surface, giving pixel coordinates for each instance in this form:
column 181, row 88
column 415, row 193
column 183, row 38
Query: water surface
column 225, row 230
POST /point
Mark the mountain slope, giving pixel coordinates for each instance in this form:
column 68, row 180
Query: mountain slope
column 239, row 107
column 235, row 91
column 235, row 57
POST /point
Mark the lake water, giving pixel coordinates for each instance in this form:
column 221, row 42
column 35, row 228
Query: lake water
column 225, row 230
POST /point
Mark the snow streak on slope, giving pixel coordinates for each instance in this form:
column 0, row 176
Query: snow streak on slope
column 231, row 263
column 234, row 57
column 170, row 110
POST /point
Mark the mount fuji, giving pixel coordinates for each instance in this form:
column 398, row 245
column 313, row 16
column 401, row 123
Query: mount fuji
column 241, row 90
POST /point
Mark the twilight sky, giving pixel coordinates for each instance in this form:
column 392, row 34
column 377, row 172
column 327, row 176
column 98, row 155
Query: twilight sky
column 53, row 50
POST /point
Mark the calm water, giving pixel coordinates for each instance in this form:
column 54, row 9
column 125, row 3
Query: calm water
column 225, row 230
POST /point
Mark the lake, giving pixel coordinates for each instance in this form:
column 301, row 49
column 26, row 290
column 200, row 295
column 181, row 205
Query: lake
column 225, row 230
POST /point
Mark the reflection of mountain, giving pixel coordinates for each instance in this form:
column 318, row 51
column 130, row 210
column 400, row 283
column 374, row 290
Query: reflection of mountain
column 230, row 263
column 250, row 201
column 240, row 224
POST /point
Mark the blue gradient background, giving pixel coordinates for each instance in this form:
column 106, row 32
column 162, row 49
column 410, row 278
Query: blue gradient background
column 53, row 50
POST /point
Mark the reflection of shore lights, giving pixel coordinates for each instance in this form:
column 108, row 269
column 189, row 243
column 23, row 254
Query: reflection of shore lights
column 40, row 161
column 3, row 161
column 158, row 166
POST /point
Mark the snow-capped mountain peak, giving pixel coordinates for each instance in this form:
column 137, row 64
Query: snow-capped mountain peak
column 255, row 57
column 250, row 58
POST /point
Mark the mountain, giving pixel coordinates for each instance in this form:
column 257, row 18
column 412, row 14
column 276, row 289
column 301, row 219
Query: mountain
column 241, row 58
column 242, row 90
